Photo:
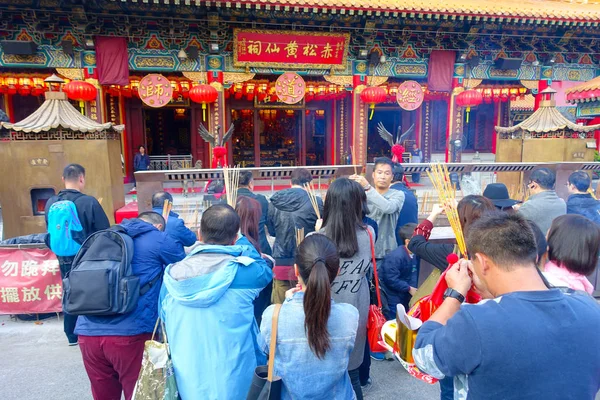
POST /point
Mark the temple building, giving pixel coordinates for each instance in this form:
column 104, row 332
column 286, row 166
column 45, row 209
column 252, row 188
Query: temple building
column 302, row 83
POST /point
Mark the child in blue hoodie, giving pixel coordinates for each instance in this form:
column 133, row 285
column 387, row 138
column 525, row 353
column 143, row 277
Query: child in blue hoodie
column 397, row 273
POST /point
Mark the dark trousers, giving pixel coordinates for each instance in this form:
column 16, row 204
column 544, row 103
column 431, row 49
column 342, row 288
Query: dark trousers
column 355, row 380
column 113, row 364
column 365, row 368
column 447, row 388
column 69, row 320
column 262, row 302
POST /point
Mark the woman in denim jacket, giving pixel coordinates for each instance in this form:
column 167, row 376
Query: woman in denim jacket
column 342, row 223
column 315, row 335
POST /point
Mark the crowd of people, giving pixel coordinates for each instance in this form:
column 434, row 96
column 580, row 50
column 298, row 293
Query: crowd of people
column 534, row 336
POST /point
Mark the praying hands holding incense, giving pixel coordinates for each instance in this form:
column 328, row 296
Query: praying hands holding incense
column 436, row 211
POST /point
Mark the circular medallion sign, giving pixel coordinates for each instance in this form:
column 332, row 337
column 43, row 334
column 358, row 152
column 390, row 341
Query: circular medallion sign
column 410, row 95
column 155, row 90
column 290, row 88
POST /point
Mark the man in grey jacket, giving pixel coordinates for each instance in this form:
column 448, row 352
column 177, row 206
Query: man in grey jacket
column 384, row 204
column 543, row 204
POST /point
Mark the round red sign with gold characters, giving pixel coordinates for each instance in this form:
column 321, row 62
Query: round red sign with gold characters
column 155, row 90
column 410, row 95
column 290, row 88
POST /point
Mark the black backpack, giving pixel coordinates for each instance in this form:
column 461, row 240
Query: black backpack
column 101, row 280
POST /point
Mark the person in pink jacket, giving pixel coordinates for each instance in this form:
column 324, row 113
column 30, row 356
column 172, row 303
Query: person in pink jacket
column 573, row 248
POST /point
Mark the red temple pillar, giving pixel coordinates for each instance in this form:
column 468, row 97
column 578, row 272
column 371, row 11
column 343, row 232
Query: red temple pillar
column 217, row 112
column 543, row 83
column 358, row 133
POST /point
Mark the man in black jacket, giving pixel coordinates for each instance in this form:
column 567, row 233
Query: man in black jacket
column 580, row 200
column 289, row 210
column 245, row 188
column 92, row 218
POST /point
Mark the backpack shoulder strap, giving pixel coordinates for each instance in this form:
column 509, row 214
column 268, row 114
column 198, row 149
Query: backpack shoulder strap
column 144, row 289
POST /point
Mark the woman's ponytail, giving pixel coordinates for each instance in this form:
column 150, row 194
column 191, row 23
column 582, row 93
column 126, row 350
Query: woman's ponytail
column 318, row 264
column 317, row 307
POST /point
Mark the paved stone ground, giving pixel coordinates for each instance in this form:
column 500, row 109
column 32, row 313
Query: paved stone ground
column 36, row 363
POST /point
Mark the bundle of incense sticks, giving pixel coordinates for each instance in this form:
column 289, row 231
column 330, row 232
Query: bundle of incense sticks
column 299, row 236
column 231, row 177
column 591, row 192
column 353, row 159
column 167, row 209
column 440, row 178
column 313, row 198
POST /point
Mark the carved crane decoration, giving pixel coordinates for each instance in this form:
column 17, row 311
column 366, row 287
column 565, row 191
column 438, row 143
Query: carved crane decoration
column 397, row 148
column 217, row 141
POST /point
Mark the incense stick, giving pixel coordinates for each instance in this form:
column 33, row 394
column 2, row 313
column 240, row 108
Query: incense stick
column 299, row 236
column 167, row 205
column 353, row 159
column 231, row 177
column 313, row 198
column 440, row 178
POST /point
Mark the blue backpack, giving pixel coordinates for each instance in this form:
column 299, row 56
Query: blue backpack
column 62, row 223
column 101, row 279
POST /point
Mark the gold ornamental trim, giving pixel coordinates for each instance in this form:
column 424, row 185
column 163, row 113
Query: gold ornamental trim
column 472, row 83
column 237, row 77
column 376, row 80
column 531, row 85
column 341, row 80
column 196, row 77
column 217, row 86
column 71, row 73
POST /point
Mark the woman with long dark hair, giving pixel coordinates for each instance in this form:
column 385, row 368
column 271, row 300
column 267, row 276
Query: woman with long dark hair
column 343, row 224
column 249, row 211
column 315, row 335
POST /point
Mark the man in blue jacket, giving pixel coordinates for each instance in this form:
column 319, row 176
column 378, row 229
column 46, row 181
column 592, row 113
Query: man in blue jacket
column 175, row 226
column 206, row 304
column 410, row 209
column 510, row 346
column 581, row 201
column 112, row 346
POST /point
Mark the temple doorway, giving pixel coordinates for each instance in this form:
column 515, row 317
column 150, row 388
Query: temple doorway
column 167, row 131
column 277, row 137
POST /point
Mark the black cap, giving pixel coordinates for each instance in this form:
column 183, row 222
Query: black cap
column 498, row 194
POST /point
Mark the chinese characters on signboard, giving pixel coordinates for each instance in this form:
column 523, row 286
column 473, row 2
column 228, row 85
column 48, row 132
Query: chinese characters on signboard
column 290, row 88
column 410, row 95
column 285, row 48
column 155, row 90
column 30, row 281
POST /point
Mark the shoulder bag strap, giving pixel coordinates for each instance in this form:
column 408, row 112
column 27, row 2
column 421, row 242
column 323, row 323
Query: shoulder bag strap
column 375, row 276
column 273, row 344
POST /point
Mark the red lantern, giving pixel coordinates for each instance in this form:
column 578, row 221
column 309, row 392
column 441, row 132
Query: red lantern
column 373, row 95
column 204, row 94
column 80, row 90
column 469, row 98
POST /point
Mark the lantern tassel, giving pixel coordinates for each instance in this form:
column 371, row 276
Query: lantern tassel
column 468, row 111
column 372, row 112
column 203, row 112
column 81, row 107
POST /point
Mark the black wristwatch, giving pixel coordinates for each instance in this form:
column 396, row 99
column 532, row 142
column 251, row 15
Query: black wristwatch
column 454, row 294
